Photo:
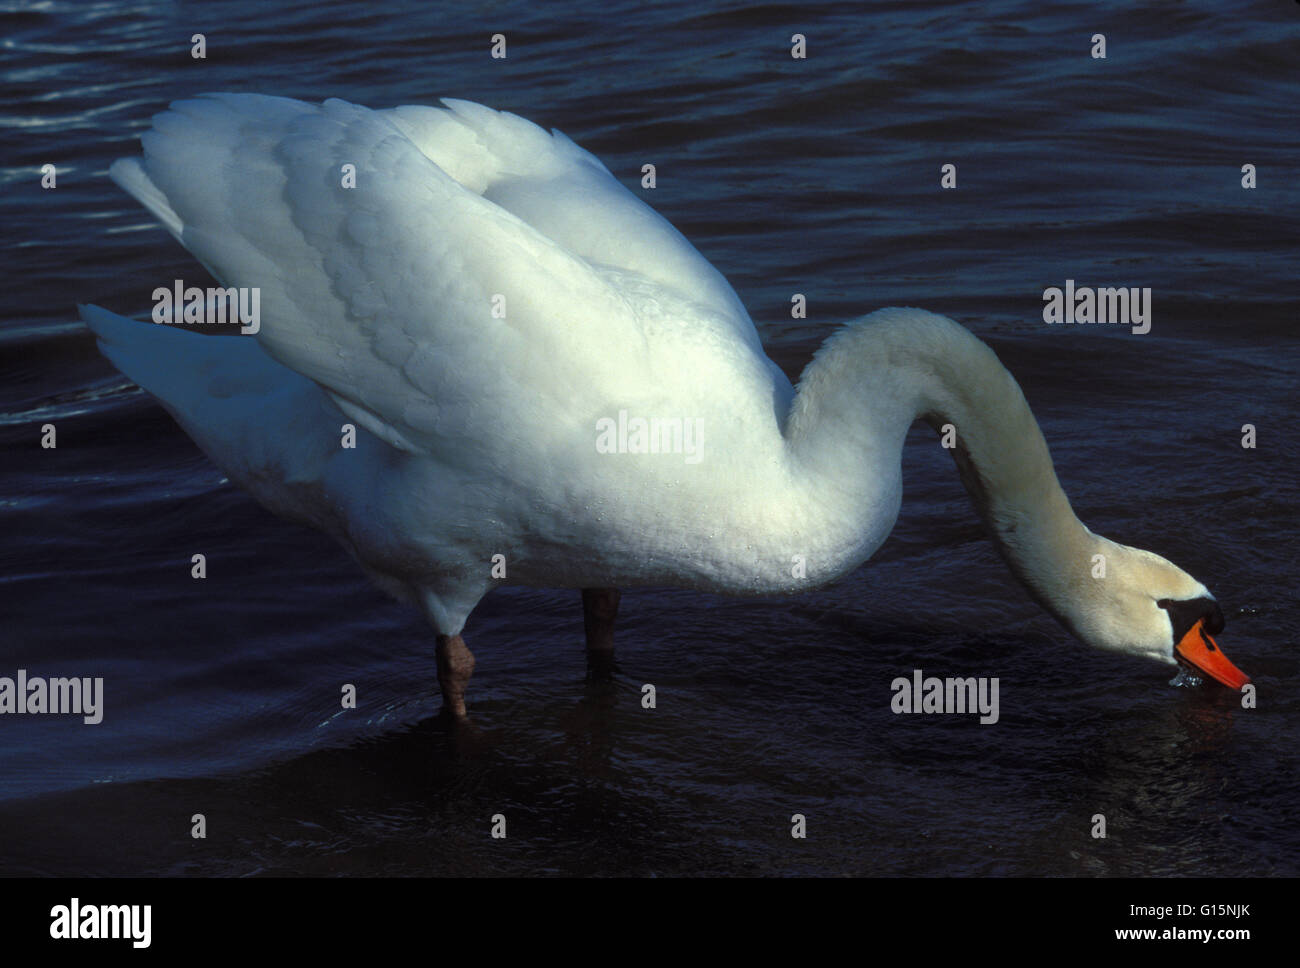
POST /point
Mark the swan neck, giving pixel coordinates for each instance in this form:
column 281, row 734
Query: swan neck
column 874, row 378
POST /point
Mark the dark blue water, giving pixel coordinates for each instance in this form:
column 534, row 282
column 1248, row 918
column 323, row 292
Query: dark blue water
column 817, row 176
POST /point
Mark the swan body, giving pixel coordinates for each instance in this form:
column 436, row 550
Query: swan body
column 485, row 299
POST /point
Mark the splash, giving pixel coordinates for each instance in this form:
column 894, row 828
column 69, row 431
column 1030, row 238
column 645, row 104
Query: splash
column 1185, row 677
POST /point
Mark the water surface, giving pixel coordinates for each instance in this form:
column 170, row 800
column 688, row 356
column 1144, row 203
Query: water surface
column 817, row 176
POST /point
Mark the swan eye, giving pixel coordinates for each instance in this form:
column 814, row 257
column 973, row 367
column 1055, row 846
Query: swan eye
column 1187, row 613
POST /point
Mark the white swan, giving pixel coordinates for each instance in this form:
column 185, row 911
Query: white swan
column 486, row 303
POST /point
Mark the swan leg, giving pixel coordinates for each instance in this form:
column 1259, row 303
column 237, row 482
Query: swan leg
column 599, row 609
column 455, row 666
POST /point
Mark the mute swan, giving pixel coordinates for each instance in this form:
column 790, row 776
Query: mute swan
column 486, row 304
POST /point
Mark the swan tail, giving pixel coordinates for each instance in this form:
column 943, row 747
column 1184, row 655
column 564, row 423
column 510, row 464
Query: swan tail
column 185, row 370
column 159, row 359
column 248, row 413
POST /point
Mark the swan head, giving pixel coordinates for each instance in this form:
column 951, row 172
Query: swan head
column 1144, row 605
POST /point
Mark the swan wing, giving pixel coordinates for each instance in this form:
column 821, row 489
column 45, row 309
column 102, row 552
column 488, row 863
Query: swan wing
column 567, row 194
column 426, row 310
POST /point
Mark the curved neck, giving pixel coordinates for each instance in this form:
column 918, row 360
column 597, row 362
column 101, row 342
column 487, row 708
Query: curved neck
column 872, row 379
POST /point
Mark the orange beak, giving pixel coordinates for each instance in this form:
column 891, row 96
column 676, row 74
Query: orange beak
column 1201, row 651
